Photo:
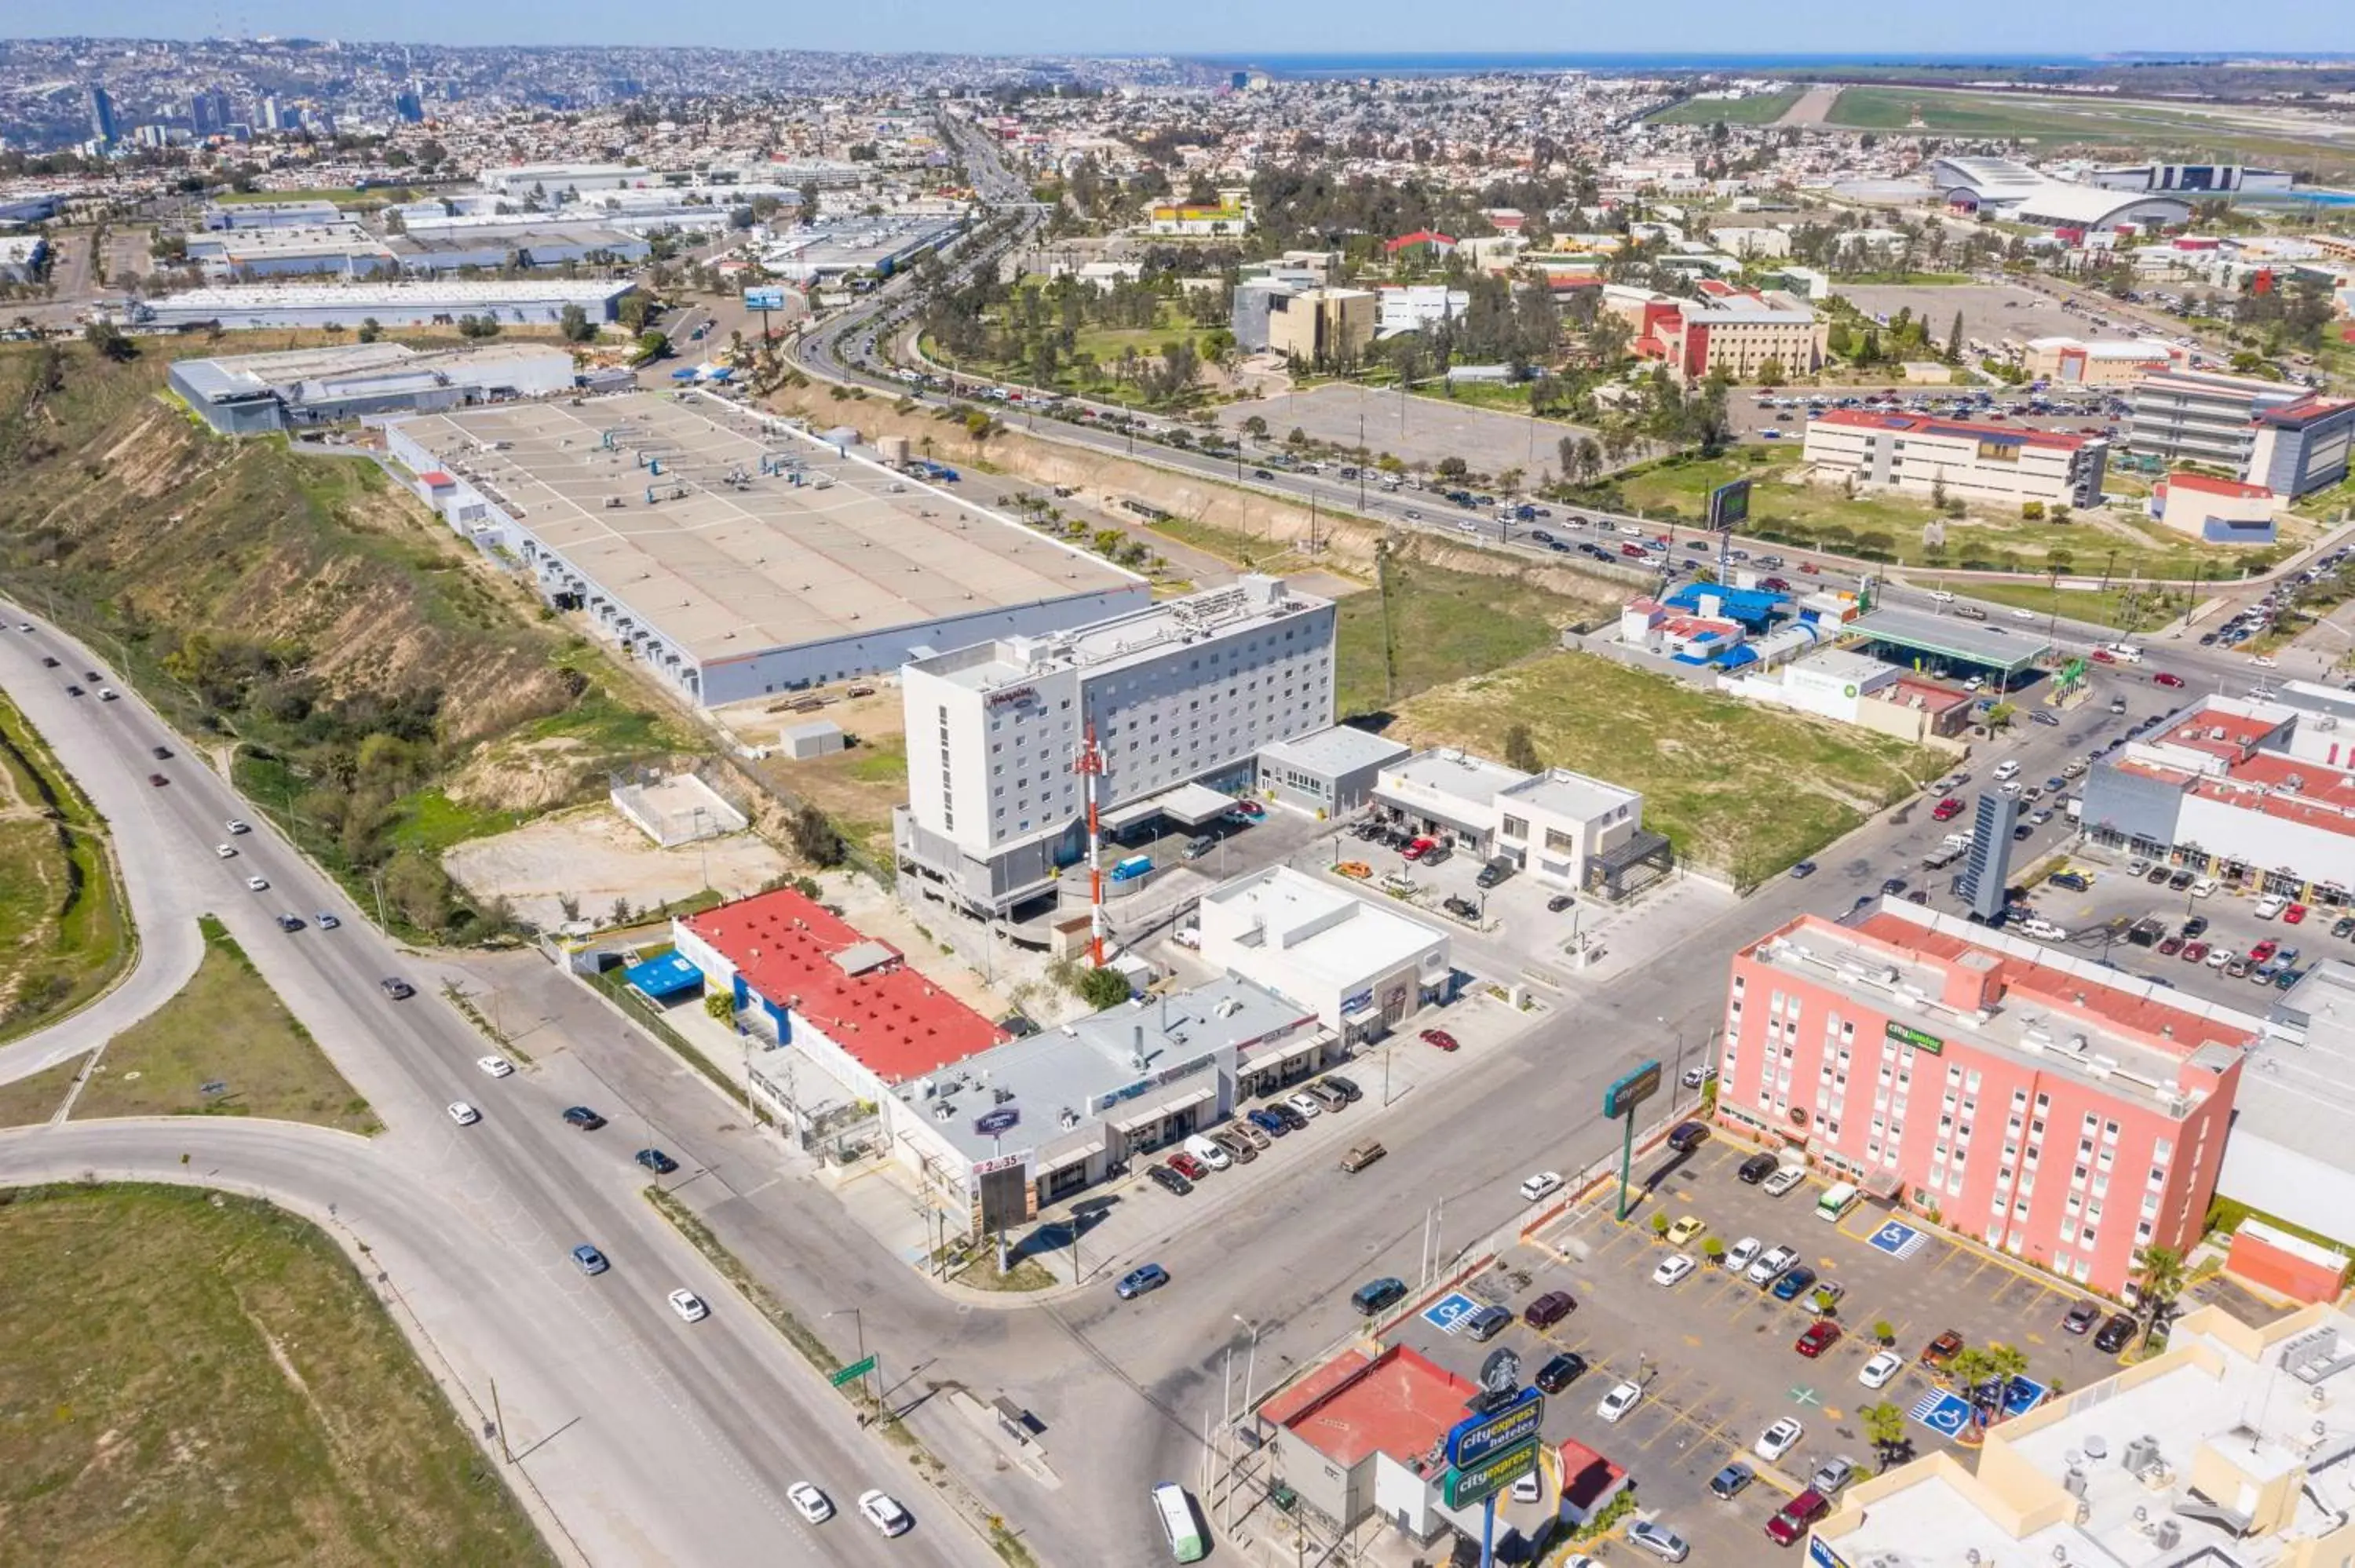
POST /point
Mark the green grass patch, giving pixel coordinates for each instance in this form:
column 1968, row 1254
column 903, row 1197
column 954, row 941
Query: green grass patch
column 1739, row 789
column 2225, row 1214
column 226, row 1027
column 1027, row 1274
column 2127, row 608
column 65, row 935
column 882, row 761
column 2088, row 122
column 341, row 196
column 215, row 1382
column 1759, row 108
column 431, row 822
column 1444, row 625
column 30, row 1102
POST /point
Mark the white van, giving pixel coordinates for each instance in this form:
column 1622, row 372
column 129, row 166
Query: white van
column 1208, row 1152
column 1940, row 596
column 2127, row 652
column 2007, row 769
column 1837, row 1199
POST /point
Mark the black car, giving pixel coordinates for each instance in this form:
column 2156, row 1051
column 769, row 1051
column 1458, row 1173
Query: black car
column 290, row 922
column 1558, row 902
column 2115, row 1334
column 48, row 663
column 73, row 691
column 583, row 1118
column 655, row 1161
column 1893, row 885
column 1757, row 1169
column 2194, row 927
column 1347, row 1090
column 1293, row 1121
column 1688, row 1136
column 1560, row 1372
column 1168, row 1180
column 159, row 753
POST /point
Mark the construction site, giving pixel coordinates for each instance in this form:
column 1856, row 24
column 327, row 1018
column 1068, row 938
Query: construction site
column 739, row 557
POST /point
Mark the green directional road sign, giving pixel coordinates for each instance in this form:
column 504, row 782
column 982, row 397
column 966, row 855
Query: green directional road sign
column 853, row 1373
column 1491, row 1475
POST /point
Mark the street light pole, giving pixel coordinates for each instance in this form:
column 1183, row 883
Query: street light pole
column 858, row 1321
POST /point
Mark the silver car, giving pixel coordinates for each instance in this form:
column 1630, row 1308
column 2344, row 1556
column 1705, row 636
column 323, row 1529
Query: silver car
column 1659, row 1541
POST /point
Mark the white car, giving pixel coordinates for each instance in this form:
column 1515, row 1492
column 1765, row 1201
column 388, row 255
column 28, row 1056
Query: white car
column 496, row 1066
column 1768, row 1269
column 1540, row 1184
column 236, row 827
column 259, row 884
column 1694, row 1078
column 1884, row 1365
column 2270, row 906
column 2261, row 660
column 1785, row 1178
column 1743, row 1253
column 809, row 1502
column 1778, row 1439
column 227, row 851
column 688, row 1306
column 2136, row 866
column 2044, row 930
column 1305, row 1105
column 1623, row 1398
column 2218, row 958
column 2023, row 615
column 2203, row 888
column 464, row 1114
column 884, row 1513
column 1673, row 1268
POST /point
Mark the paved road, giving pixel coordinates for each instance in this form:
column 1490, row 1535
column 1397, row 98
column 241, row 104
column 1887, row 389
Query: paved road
column 653, row 1441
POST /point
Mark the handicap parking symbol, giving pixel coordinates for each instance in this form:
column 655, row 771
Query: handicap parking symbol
column 2022, row 1394
column 1898, row 1240
column 1449, row 1313
column 1943, row 1412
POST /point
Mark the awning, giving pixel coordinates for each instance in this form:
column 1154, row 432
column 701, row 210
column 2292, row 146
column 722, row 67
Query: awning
column 1367, row 1009
column 1167, row 1108
column 662, row 977
column 1190, row 804
column 1067, row 1159
column 1292, row 1051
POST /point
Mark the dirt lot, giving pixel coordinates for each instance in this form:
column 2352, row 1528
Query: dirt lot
column 1417, row 430
column 857, row 786
column 590, row 855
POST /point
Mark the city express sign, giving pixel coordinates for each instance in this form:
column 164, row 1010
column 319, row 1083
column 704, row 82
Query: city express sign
column 1906, row 1035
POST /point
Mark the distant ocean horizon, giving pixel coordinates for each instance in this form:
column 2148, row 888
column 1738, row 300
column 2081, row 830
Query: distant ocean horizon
column 1297, row 66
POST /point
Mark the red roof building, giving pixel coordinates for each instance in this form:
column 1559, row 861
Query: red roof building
column 1439, row 244
column 811, row 970
column 1383, row 1409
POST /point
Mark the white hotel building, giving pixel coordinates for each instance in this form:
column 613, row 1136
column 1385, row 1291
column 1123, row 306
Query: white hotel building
column 1182, row 693
column 1995, row 465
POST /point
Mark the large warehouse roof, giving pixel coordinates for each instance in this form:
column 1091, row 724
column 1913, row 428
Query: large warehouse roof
column 730, row 560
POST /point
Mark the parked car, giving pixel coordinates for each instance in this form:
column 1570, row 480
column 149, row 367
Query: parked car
column 1658, row 1539
column 1622, row 1398
column 2081, row 1319
column 1794, row 1283
column 1673, row 1270
column 1439, row 1038
column 2115, row 1334
column 1376, row 1295
column 1304, row 1104
column 1770, row 1266
column 1540, row 1185
column 1783, row 1181
column 1941, row 1351
column 1729, row 1482
column 1548, row 1309
column 1688, row 1136
column 1791, row 1521
column 1168, row 1180
column 1561, row 1371
column 1757, row 1168
column 1780, row 1438
column 1883, row 1366
column 1189, row 1166
column 1268, row 1122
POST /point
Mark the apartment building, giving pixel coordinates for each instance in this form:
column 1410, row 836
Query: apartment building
column 2229, row 1449
column 2202, row 417
column 1997, row 465
column 2064, row 1112
column 1735, row 332
column 1186, row 690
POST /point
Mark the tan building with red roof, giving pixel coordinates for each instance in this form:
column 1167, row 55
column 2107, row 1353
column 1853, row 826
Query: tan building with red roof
column 1997, row 465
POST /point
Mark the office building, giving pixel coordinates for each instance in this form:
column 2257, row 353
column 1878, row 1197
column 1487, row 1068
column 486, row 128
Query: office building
column 1995, row 465
column 1733, row 332
column 1415, row 308
column 1322, row 327
column 1565, row 829
column 1361, row 967
column 2302, row 446
column 736, row 557
column 1254, row 304
column 2231, row 1448
column 1330, row 772
column 2073, row 362
column 1184, row 692
column 2202, row 417
column 1987, row 865
column 101, row 105
column 210, row 111
column 2040, row 1103
column 258, row 394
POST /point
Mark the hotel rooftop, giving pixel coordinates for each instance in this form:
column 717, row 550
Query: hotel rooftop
column 1106, row 646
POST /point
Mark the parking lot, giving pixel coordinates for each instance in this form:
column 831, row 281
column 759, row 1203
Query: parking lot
column 1714, row 1353
column 1426, row 431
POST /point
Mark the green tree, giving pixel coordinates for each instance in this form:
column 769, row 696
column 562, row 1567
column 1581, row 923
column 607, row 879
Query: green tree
column 110, row 341
column 1521, row 750
column 1955, row 341
column 1255, row 427
column 1105, row 988
column 1884, row 1428
column 815, row 839
column 369, row 330
column 1976, row 1365
column 721, row 1005
column 635, row 311
column 1660, row 1225
column 573, row 323
column 2158, row 1279
column 1771, row 374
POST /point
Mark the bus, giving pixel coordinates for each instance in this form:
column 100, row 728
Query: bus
column 1176, row 1513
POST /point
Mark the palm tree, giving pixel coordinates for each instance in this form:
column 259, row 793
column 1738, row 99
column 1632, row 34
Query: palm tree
column 2158, row 1279
column 1884, row 1428
column 1975, row 1366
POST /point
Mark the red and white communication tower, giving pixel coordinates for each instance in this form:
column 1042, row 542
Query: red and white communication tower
column 1090, row 768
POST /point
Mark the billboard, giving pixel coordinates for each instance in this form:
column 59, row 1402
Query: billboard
column 765, row 297
column 1490, row 1476
column 1906, row 1035
column 1729, row 505
column 1631, row 1091
column 1475, row 1438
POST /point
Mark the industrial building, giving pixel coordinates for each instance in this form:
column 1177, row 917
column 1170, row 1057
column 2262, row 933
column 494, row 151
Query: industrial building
column 2004, row 188
column 1995, row 465
column 23, row 257
column 331, row 249
column 2197, row 182
column 1183, row 692
column 491, row 247
column 556, row 182
column 255, row 394
column 245, row 306
column 2289, row 1156
column 2068, row 1113
column 832, row 249
column 232, row 215
column 737, row 557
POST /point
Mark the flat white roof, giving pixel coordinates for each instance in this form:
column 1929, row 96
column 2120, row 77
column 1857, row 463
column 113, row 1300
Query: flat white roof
column 1575, row 796
column 1104, row 646
column 1319, row 931
column 1456, row 775
column 359, row 296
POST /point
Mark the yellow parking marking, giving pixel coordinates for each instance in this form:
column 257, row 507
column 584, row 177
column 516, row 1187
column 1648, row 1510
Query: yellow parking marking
column 2034, row 1339
column 1694, row 1341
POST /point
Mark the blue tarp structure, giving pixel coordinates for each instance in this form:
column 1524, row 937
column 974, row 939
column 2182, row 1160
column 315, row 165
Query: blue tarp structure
column 686, row 374
column 663, row 977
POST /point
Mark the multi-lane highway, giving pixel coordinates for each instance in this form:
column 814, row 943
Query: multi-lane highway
column 650, row 1440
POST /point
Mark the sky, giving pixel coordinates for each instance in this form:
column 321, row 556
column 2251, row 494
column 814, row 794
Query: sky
column 1249, row 28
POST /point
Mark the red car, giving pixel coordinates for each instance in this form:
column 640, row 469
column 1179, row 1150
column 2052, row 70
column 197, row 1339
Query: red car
column 1810, row 568
column 2170, row 948
column 1420, row 848
column 2164, row 679
column 2193, row 952
column 2103, row 656
column 1774, row 584
column 1189, row 1166
column 2263, row 951
column 1947, row 809
column 2293, row 913
column 1439, row 1037
column 1821, row 1336
column 1251, row 809
column 1787, row 1526
column 1631, row 550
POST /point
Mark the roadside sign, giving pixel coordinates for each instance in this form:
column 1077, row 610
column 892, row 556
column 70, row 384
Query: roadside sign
column 1898, row 1239
column 852, row 1373
column 1473, row 1439
column 1631, row 1091
column 1490, row 1476
column 1451, row 1311
column 772, row 298
column 1729, row 505
column 1943, row 1412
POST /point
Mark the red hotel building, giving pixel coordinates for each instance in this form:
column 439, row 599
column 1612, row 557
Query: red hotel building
column 2040, row 1103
